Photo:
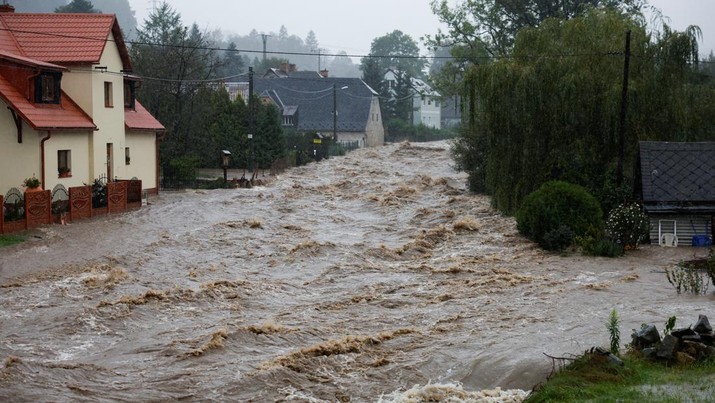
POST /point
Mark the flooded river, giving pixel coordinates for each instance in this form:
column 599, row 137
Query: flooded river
column 353, row 279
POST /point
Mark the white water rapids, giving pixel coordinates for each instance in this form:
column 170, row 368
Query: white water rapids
column 352, row 279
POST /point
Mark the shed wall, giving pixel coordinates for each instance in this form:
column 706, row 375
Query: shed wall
column 685, row 227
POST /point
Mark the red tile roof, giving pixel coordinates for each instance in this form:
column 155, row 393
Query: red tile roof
column 65, row 116
column 7, row 41
column 140, row 119
column 14, row 57
column 49, row 41
column 64, row 38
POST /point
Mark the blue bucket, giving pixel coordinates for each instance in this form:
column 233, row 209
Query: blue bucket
column 702, row 240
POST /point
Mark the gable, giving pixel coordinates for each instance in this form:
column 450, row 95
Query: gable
column 673, row 172
column 64, row 38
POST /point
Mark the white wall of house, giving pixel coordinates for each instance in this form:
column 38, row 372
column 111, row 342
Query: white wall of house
column 108, row 119
column 78, row 145
column 374, row 131
column 142, row 164
column 427, row 111
column 25, row 156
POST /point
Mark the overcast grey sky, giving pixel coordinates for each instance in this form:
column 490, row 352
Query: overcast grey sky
column 351, row 25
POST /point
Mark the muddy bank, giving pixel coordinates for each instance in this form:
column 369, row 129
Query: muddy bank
column 347, row 280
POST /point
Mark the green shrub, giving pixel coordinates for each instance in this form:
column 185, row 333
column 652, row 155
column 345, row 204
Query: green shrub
column 185, row 167
column 602, row 246
column 556, row 213
column 628, row 225
column 685, row 278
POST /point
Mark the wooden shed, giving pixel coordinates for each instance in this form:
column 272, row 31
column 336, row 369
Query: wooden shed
column 676, row 182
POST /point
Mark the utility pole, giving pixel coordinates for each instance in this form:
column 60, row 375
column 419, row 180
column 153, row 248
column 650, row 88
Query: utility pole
column 265, row 39
column 335, row 114
column 319, row 50
column 624, row 110
column 251, row 134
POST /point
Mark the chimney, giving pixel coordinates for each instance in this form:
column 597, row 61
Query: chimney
column 324, row 73
column 285, row 68
column 6, row 8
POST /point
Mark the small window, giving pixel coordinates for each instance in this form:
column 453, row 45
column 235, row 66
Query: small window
column 127, row 157
column 47, row 88
column 64, row 163
column 108, row 102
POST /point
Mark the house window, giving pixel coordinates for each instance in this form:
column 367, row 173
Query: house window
column 108, row 102
column 130, row 94
column 47, row 88
column 64, row 163
column 127, row 157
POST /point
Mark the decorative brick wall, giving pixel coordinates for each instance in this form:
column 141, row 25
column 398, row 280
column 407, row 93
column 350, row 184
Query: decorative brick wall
column 116, row 197
column 80, row 202
column 38, row 209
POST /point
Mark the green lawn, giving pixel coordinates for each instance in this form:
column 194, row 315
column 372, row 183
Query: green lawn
column 639, row 380
column 7, row 240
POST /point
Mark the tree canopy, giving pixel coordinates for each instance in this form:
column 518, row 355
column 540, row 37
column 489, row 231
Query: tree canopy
column 551, row 110
column 493, row 24
column 78, row 6
column 397, row 50
column 179, row 67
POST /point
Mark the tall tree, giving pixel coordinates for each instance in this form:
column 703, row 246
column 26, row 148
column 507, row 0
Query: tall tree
column 342, row 66
column 232, row 64
column 397, row 50
column 551, row 111
column 311, row 40
column 371, row 73
column 493, row 24
column 174, row 61
column 78, row 6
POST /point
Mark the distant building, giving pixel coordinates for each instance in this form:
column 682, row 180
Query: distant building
column 426, row 108
column 451, row 112
column 308, row 101
column 676, row 184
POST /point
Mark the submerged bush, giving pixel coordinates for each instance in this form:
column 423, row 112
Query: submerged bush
column 603, row 246
column 558, row 212
column 628, row 225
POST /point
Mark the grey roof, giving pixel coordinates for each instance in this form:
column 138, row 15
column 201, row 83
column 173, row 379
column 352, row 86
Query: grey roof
column 678, row 176
column 314, row 98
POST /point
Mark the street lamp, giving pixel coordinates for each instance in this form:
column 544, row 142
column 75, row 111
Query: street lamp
column 225, row 156
column 335, row 112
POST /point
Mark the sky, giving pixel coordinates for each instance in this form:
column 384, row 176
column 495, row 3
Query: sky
column 351, row 25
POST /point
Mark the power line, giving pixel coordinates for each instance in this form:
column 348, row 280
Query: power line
column 286, row 53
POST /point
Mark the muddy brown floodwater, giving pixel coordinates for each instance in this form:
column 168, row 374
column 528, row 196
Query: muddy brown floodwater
column 353, row 279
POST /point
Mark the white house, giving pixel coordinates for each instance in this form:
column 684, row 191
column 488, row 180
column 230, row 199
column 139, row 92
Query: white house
column 69, row 113
column 426, row 107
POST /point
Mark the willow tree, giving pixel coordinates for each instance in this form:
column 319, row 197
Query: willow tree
column 551, row 111
column 175, row 62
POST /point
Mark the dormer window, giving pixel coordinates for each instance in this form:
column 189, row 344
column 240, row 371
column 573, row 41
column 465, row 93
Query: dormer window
column 130, row 93
column 47, row 88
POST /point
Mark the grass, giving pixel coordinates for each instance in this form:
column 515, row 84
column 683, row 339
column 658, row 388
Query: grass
column 593, row 379
column 7, row 240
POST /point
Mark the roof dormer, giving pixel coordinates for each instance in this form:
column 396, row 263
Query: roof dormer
column 47, row 87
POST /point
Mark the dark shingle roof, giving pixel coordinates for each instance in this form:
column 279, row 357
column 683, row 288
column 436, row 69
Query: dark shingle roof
column 681, row 174
column 314, row 98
